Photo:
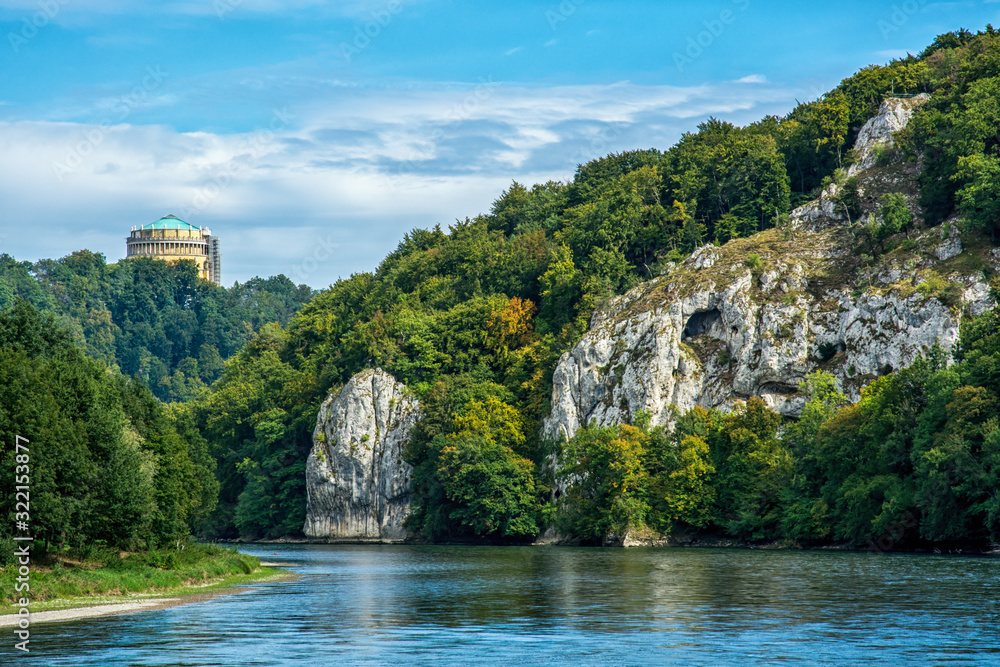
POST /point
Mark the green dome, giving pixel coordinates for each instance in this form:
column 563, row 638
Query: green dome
column 170, row 222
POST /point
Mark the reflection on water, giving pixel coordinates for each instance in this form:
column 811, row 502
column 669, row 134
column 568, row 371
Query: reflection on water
column 549, row 605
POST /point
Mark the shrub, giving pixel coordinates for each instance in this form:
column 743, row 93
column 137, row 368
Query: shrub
column 885, row 155
column 849, row 199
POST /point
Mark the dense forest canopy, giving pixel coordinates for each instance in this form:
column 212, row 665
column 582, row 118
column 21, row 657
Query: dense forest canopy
column 151, row 319
column 108, row 463
column 473, row 319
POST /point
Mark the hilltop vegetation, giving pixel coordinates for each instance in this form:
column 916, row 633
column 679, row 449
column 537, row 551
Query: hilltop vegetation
column 473, row 320
column 150, row 319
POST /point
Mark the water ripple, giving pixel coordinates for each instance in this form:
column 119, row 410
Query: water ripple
column 376, row 605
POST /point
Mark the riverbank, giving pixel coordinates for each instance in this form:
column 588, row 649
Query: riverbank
column 711, row 540
column 644, row 538
column 65, row 588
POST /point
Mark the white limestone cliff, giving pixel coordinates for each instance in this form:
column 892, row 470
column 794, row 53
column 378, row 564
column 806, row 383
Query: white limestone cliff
column 754, row 317
column 357, row 483
column 689, row 339
column 892, row 116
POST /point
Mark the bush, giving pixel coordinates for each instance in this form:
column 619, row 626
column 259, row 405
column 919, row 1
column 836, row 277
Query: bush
column 607, row 481
column 849, row 199
column 894, row 217
column 885, row 155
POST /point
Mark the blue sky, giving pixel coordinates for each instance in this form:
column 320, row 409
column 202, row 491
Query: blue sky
column 310, row 136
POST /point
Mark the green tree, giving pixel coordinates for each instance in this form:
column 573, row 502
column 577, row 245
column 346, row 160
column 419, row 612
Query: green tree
column 690, row 495
column 849, row 199
column 562, row 289
column 979, row 198
column 489, row 487
column 469, row 479
column 806, row 513
column 752, row 466
column 606, row 482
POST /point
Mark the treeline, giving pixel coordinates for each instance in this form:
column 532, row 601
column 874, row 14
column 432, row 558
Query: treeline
column 473, row 319
column 916, row 462
column 107, row 464
column 151, row 319
column 955, row 135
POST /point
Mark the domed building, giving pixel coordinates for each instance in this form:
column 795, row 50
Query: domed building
column 172, row 239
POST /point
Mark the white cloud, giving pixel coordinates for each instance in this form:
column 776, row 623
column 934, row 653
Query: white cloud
column 358, row 166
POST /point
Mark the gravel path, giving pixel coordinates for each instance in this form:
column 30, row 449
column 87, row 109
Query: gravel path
column 11, row 620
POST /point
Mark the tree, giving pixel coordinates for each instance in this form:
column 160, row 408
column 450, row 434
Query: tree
column 806, row 514
column 603, row 468
column 979, row 198
column 752, row 467
column 833, row 115
column 490, row 488
column 894, row 217
column 848, row 200
column 690, row 496
column 469, row 479
column 562, row 288
column 895, row 214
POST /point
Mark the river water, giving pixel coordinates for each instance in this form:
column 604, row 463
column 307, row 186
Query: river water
column 422, row 605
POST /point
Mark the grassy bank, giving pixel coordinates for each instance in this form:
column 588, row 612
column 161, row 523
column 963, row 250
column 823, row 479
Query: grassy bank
column 63, row 580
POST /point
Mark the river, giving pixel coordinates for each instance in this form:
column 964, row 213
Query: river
column 422, row 605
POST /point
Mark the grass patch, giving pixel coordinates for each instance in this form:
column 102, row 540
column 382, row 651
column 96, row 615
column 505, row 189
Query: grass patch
column 946, row 291
column 96, row 577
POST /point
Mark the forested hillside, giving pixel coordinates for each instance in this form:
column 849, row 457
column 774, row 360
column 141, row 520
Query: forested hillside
column 108, row 464
column 150, row 319
column 473, row 320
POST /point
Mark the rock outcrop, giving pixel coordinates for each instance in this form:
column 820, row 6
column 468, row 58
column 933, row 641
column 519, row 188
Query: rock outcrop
column 711, row 337
column 875, row 136
column 756, row 315
column 691, row 339
column 357, row 483
column 877, row 133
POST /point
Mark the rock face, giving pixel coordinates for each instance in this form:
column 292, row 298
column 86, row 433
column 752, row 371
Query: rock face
column 875, row 135
column 689, row 339
column 357, row 483
column 756, row 315
column 892, row 116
